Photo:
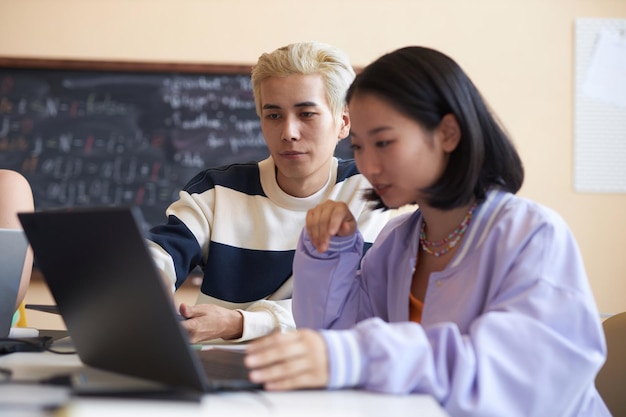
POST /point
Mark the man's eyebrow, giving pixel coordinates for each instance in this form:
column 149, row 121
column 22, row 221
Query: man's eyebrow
column 306, row 104
column 300, row 104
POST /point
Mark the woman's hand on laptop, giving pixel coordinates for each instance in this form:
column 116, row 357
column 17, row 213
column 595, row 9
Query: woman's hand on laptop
column 208, row 321
column 292, row 360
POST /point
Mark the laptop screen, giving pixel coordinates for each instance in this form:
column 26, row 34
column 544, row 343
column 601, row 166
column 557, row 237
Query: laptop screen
column 118, row 311
column 13, row 245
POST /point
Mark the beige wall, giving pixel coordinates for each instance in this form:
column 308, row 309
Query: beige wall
column 519, row 53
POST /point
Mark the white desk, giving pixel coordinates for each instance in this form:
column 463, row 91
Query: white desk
column 346, row 403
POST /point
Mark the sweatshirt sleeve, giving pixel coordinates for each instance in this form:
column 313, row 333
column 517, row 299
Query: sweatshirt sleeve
column 182, row 243
column 326, row 285
column 263, row 317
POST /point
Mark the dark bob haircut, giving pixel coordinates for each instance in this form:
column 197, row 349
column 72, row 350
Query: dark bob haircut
column 425, row 85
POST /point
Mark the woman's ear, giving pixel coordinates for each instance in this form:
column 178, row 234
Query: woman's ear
column 344, row 124
column 449, row 132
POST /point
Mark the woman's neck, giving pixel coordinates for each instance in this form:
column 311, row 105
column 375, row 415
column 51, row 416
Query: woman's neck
column 440, row 223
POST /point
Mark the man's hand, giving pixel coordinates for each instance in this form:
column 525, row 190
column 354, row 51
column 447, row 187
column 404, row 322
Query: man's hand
column 285, row 361
column 208, row 321
column 330, row 218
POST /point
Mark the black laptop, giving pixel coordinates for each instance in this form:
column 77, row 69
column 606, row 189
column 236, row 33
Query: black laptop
column 117, row 309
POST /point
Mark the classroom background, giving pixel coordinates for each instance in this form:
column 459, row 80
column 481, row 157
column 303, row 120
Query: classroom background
column 520, row 53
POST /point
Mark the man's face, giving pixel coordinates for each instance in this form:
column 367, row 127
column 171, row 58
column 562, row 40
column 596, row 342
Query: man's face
column 300, row 131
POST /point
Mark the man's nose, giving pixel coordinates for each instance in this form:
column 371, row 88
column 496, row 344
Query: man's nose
column 291, row 130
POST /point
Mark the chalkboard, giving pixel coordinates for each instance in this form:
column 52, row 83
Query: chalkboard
column 88, row 133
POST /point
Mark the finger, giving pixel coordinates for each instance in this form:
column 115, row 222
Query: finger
column 294, row 373
column 276, row 348
column 300, row 381
column 272, row 366
column 313, row 227
column 348, row 226
column 335, row 220
column 321, row 224
column 189, row 325
column 338, row 215
column 186, row 310
column 261, row 351
column 194, row 328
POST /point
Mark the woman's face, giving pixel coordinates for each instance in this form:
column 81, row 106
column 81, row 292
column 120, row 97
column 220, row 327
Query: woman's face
column 394, row 152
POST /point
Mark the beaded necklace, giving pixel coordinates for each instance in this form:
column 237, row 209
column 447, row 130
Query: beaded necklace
column 450, row 241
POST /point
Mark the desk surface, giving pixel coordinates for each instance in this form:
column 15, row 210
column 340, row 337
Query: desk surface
column 31, row 367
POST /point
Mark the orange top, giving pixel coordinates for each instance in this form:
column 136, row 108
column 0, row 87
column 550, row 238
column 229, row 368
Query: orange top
column 415, row 309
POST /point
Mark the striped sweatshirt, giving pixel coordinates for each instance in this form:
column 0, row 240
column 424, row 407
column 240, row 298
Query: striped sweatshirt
column 237, row 224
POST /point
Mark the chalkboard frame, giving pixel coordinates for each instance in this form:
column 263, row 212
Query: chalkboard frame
column 122, row 66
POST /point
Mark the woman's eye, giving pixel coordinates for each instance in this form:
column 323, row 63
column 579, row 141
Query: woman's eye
column 382, row 143
column 354, row 147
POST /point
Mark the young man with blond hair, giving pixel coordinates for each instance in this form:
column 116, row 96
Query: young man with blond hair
column 240, row 223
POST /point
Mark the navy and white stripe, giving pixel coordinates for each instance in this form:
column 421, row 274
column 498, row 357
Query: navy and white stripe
column 242, row 229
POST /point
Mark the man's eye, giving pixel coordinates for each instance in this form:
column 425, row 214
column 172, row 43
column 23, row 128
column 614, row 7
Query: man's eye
column 307, row 114
column 383, row 143
column 272, row 116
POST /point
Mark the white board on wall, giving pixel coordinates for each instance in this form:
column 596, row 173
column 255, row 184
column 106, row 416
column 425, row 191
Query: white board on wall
column 600, row 105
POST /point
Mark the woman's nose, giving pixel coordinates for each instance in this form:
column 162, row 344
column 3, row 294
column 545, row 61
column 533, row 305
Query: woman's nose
column 367, row 163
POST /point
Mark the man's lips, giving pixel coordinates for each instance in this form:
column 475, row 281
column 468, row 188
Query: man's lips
column 292, row 154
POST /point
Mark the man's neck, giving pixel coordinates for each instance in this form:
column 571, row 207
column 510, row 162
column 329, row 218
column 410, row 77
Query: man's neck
column 304, row 187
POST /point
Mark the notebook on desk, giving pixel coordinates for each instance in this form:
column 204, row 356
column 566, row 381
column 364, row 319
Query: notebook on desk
column 115, row 305
column 13, row 246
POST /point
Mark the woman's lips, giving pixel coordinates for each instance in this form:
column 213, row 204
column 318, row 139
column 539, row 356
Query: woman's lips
column 382, row 189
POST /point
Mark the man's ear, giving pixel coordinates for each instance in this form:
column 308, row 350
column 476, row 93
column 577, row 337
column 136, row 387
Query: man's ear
column 344, row 123
column 449, row 132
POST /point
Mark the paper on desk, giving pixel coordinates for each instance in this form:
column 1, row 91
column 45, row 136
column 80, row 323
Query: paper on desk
column 20, row 397
column 82, row 407
column 606, row 77
column 240, row 348
column 19, row 332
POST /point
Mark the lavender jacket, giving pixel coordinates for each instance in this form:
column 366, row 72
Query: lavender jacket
column 509, row 328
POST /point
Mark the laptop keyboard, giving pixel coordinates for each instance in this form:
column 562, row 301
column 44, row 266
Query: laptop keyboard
column 223, row 364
